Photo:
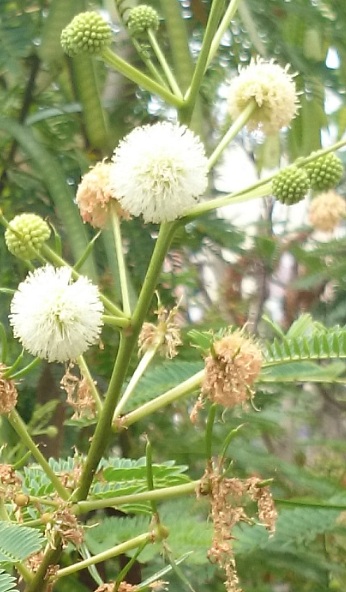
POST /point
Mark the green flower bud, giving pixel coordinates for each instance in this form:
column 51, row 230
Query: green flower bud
column 31, row 231
column 88, row 32
column 141, row 18
column 325, row 172
column 290, row 185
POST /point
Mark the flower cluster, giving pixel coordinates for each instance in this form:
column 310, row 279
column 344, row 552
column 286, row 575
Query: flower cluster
column 26, row 235
column 88, row 32
column 326, row 211
column 159, row 171
column 55, row 318
column 273, row 90
column 95, row 195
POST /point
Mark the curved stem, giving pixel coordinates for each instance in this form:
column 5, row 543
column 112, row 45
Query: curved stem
column 127, row 343
column 183, row 389
column 138, row 373
column 121, row 261
column 237, row 125
column 164, row 65
column 165, row 493
column 20, row 428
column 113, row 552
column 139, row 78
column 202, row 62
column 226, row 19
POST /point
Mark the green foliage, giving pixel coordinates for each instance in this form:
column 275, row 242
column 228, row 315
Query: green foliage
column 7, row 582
column 17, row 542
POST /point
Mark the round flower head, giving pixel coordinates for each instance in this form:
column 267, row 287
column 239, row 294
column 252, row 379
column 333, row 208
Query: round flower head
column 231, row 369
column 159, row 171
column 272, row 88
column 55, row 318
column 141, row 18
column 326, row 211
column 93, row 196
column 26, row 235
column 88, row 32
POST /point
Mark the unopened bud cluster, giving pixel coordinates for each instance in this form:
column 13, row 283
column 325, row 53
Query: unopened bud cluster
column 141, row 18
column 325, row 172
column 26, row 235
column 290, row 185
column 88, row 32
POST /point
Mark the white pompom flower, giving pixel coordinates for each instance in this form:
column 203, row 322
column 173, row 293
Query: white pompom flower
column 274, row 91
column 159, row 171
column 55, row 318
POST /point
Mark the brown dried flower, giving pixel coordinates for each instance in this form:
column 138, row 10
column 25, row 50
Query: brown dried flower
column 123, row 587
column 231, row 369
column 64, row 524
column 95, row 194
column 327, row 210
column 228, row 498
column 79, row 394
column 165, row 335
column 8, row 392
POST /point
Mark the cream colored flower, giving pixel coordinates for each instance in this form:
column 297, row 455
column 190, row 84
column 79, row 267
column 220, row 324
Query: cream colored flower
column 159, row 171
column 326, row 211
column 274, row 91
column 94, row 194
column 55, row 318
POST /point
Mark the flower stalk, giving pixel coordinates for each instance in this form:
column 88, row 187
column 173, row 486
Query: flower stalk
column 178, row 392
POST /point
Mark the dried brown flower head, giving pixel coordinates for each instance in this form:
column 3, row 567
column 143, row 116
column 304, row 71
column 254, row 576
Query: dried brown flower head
column 165, row 336
column 79, row 394
column 228, row 498
column 8, row 392
column 231, row 369
column 95, row 194
column 64, row 524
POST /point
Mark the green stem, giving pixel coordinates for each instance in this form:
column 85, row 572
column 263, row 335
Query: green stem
column 105, row 555
column 23, row 371
column 209, row 431
column 116, row 321
column 237, row 125
column 142, row 366
column 91, row 383
column 20, row 427
column 121, row 261
column 54, row 258
column 150, row 477
column 202, row 62
column 178, row 392
column 139, row 78
column 149, row 64
column 226, row 19
column 165, row 493
column 226, row 200
column 103, row 428
column 164, row 64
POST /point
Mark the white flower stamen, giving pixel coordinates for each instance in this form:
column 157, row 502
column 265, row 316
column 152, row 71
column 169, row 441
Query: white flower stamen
column 55, row 318
column 159, row 171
